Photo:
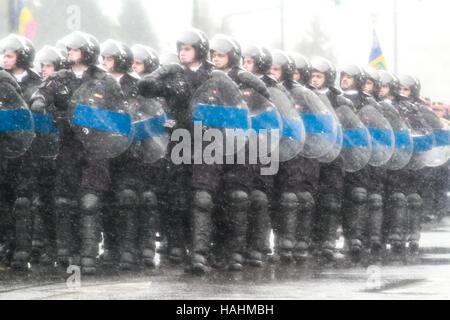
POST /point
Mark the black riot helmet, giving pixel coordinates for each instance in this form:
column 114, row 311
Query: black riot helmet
column 286, row 63
column 196, row 39
column 356, row 72
column 389, row 79
column 229, row 46
column 23, row 47
column 262, row 58
column 146, row 55
column 374, row 76
column 62, row 48
column 123, row 57
column 303, row 66
column 88, row 44
column 413, row 84
column 49, row 54
column 324, row 66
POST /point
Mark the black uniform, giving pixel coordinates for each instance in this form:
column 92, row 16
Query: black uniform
column 364, row 194
column 78, row 176
column 404, row 205
column 297, row 186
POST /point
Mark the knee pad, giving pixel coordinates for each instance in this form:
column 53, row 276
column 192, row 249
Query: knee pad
column 331, row 204
column 90, row 204
column 259, row 199
column 239, row 199
column 414, row 201
column 359, row 195
column 306, row 201
column 375, row 201
column 127, row 198
column 289, row 200
column 149, row 199
column 398, row 199
column 203, row 201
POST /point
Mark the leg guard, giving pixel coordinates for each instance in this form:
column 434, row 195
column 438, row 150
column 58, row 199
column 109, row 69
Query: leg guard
column 259, row 227
column 65, row 211
column 375, row 204
column 238, row 204
column 304, row 223
column 397, row 221
column 414, row 212
column 127, row 213
column 356, row 221
column 23, row 222
column 148, row 224
column 329, row 210
column 202, row 225
column 176, row 238
column 38, row 242
column 287, row 224
column 90, row 207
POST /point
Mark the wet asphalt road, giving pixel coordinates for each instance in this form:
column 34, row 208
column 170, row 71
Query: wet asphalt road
column 428, row 277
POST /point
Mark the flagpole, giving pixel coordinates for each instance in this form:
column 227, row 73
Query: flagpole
column 396, row 36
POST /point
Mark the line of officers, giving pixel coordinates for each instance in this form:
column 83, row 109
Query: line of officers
column 57, row 210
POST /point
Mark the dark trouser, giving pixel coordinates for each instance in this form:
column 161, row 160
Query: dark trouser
column 331, row 189
column 296, row 190
column 81, row 183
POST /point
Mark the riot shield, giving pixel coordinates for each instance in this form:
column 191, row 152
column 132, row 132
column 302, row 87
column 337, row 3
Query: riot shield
column 356, row 146
column 150, row 139
column 439, row 154
column 381, row 133
column 403, row 150
column 98, row 117
column 218, row 104
column 264, row 118
column 422, row 136
column 16, row 123
column 292, row 137
column 321, row 128
column 47, row 141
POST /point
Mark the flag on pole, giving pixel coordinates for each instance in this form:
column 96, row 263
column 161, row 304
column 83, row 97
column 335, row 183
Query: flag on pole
column 22, row 20
column 376, row 59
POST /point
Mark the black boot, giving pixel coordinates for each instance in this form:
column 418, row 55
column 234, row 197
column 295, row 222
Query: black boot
column 358, row 218
column 176, row 237
column 304, row 226
column 414, row 212
column 90, row 212
column 287, row 222
column 329, row 210
column 148, row 225
column 65, row 211
column 202, row 207
column 127, row 214
column 375, row 204
column 397, row 223
column 23, row 222
column 237, row 221
column 259, row 228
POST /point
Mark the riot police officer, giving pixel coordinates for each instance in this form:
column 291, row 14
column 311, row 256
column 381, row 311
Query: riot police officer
column 145, row 61
column 364, row 189
column 177, row 84
column 226, row 54
column 18, row 56
column 81, row 180
column 258, row 61
column 331, row 179
column 298, row 179
column 49, row 60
